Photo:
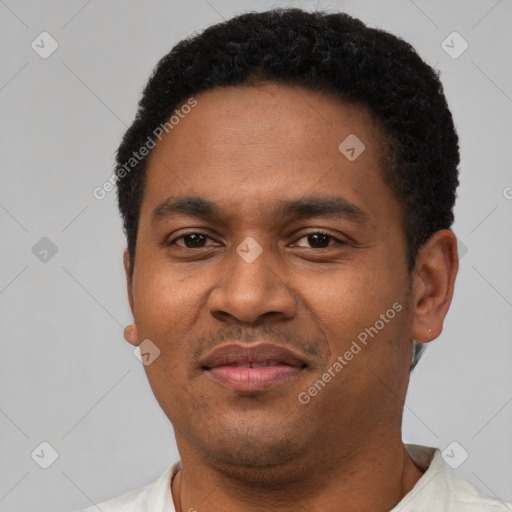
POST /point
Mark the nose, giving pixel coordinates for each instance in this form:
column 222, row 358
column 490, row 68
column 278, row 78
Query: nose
column 249, row 291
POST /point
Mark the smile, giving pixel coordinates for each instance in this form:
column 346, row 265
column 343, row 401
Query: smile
column 252, row 367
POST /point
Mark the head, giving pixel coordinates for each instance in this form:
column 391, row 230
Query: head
column 328, row 147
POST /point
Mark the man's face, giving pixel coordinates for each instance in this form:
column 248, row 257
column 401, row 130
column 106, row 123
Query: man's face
column 250, row 151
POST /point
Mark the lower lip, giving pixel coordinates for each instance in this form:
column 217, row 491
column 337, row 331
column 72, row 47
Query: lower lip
column 253, row 379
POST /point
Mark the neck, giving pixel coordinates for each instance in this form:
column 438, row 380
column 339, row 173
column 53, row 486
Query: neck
column 374, row 479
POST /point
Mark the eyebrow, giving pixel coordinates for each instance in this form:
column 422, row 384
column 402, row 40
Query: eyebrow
column 335, row 207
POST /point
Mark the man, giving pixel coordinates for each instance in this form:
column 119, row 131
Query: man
column 287, row 191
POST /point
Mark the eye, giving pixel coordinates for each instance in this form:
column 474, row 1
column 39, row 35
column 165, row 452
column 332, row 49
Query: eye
column 191, row 240
column 318, row 240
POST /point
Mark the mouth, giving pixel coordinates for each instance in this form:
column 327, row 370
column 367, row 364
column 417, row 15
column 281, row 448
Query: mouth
column 254, row 367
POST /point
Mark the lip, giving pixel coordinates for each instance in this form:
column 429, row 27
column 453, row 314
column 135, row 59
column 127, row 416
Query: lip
column 253, row 367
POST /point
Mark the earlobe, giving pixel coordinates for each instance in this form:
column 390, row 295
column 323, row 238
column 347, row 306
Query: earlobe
column 131, row 335
column 433, row 284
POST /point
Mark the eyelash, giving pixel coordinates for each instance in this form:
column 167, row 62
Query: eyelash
column 324, row 233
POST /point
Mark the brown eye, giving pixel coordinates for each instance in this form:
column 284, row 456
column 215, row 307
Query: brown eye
column 318, row 240
column 192, row 240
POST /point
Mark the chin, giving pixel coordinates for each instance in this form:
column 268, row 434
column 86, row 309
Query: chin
column 256, row 456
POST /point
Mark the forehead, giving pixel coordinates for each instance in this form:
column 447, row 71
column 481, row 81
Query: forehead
column 245, row 147
column 292, row 118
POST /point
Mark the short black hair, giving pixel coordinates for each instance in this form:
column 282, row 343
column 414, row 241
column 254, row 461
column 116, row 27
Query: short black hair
column 324, row 52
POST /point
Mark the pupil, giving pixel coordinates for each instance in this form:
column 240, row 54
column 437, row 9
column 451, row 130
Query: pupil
column 318, row 239
column 194, row 240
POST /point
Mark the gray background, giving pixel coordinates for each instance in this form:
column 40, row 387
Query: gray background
column 68, row 377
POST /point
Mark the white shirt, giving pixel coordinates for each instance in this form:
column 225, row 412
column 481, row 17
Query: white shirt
column 438, row 490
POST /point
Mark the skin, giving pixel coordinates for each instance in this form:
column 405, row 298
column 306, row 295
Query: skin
column 247, row 148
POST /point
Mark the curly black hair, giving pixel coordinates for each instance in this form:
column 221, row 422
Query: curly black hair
column 328, row 52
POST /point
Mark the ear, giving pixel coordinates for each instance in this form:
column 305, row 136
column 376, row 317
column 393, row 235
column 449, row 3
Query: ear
column 433, row 282
column 130, row 332
column 128, row 273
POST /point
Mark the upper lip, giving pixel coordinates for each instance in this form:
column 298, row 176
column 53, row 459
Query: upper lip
column 239, row 353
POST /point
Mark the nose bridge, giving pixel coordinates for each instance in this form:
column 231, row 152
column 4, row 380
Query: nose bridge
column 249, row 269
column 251, row 285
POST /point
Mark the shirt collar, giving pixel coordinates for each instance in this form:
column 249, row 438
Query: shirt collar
column 160, row 496
column 429, row 491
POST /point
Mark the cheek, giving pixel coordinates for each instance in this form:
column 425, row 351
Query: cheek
column 363, row 317
column 165, row 312
column 166, row 304
column 346, row 301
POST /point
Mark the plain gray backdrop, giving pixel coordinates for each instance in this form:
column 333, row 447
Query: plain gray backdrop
column 68, row 378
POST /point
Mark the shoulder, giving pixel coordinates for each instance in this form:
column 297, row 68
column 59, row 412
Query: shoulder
column 441, row 489
column 464, row 497
column 129, row 502
column 154, row 497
